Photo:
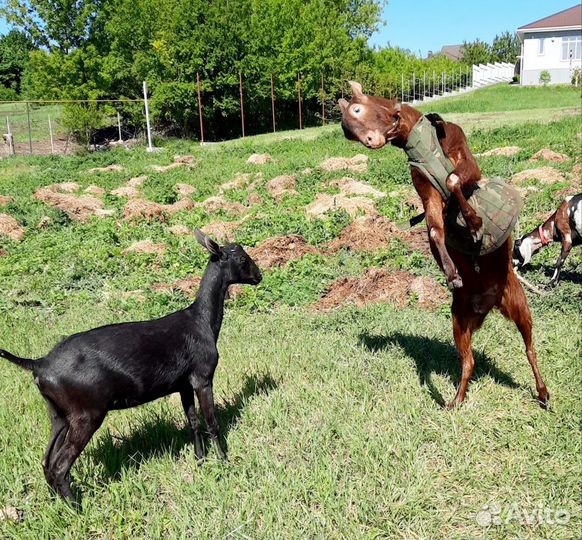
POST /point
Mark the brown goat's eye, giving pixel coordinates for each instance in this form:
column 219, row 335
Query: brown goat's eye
column 357, row 110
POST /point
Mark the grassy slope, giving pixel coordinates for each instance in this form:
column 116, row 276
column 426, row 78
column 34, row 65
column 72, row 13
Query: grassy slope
column 334, row 424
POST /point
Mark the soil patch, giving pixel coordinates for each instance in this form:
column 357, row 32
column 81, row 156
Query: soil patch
column 5, row 200
column 222, row 231
column 145, row 246
column 349, row 186
column 546, row 154
column 276, row 252
column 185, row 190
column 242, row 180
column 282, row 186
column 148, row 210
column 11, row 228
column 188, row 286
column 77, row 208
column 214, row 204
column 179, row 161
column 374, row 233
column 506, row 151
column 259, row 159
column 378, row 286
column 545, row 175
column 357, row 164
column 180, row 230
column 95, row 190
column 137, row 181
column 126, row 191
column 352, row 205
column 108, row 169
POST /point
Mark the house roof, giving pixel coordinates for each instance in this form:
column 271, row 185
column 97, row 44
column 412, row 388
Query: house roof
column 451, row 51
column 568, row 18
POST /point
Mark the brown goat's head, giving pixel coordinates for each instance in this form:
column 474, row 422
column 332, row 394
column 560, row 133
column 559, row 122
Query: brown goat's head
column 371, row 120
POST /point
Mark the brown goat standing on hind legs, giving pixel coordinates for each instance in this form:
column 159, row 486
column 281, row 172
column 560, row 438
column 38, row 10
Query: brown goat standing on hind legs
column 480, row 275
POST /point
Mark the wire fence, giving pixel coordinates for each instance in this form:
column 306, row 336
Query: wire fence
column 64, row 126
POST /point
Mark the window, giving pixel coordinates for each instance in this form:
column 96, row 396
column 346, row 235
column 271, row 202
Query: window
column 572, row 48
column 541, row 45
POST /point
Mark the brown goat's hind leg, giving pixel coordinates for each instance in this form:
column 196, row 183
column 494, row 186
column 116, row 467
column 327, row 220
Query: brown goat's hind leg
column 465, row 322
column 81, row 429
column 514, row 306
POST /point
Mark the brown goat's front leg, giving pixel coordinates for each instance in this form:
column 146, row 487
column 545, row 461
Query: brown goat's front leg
column 474, row 222
column 436, row 235
column 206, row 399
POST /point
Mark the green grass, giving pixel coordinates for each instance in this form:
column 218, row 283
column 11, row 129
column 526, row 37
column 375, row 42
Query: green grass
column 334, row 422
column 509, row 98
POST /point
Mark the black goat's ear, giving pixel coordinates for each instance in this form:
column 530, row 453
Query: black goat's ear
column 206, row 242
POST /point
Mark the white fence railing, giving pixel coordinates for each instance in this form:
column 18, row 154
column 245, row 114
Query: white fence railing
column 487, row 74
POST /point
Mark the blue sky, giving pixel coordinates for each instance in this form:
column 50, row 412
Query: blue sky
column 427, row 25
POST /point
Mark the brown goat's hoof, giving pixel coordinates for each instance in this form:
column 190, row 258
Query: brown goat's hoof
column 477, row 234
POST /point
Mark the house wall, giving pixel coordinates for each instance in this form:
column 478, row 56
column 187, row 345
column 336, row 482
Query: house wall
column 534, row 63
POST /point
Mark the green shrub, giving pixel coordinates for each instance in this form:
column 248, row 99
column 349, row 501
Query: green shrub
column 545, row 77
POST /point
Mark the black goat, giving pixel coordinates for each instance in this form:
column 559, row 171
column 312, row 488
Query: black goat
column 128, row 364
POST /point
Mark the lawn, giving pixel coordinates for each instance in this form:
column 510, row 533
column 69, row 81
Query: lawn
column 334, row 420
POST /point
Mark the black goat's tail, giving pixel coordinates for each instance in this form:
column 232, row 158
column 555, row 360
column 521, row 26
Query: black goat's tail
column 24, row 363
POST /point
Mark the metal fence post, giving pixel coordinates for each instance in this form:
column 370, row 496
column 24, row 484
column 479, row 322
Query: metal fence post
column 147, row 113
column 10, row 139
column 51, row 133
column 200, row 109
column 402, row 87
column 273, row 100
column 29, row 127
column 118, row 125
column 413, row 87
column 242, row 108
column 322, row 101
column 299, row 99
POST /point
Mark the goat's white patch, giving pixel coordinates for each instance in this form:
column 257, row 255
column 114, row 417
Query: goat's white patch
column 568, row 238
column 577, row 209
column 554, row 274
column 453, row 180
column 433, row 233
column 525, row 249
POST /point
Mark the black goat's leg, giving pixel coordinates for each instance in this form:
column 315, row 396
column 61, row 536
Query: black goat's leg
column 81, row 429
column 187, row 395
column 58, row 433
column 206, row 399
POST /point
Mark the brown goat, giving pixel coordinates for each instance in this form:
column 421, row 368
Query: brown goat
column 479, row 283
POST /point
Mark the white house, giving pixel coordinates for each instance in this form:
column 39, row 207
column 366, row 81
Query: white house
column 552, row 44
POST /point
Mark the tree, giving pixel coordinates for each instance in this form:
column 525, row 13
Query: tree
column 506, row 47
column 15, row 49
column 476, row 52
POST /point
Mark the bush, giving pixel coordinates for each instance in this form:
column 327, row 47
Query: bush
column 545, row 77
column 8, row 94
column 576, row 77
column 83, row 120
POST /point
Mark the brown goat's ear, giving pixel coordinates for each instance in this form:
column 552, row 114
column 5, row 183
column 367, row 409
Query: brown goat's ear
column 343, row 104
column 357, row 91
column 206, row 242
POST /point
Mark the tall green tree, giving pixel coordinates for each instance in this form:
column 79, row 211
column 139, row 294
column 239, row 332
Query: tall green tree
column 15, row 49
column 476, row 52
column 506, row 47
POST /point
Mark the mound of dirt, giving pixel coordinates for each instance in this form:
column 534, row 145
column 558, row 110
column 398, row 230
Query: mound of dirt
column 187, row 286
column 242, row 180
column 259, row 159
column 352, row 205
column 180, row 230
column 77, row 208
column 126, row 191
column 282, row 186
column 255, row 199
column 276, row 252
column 5, row 200
column 376, row 232
column 377, row 286
column 307, row 171
column 348, row 186
column 179, row 161
column 577, row 170
column 545, row 175
column 214, row 204
column 137, row 295
column 145, row 246
column 108, row 169
column 11, row 228
column 506, row 151
column 185, row 190
column 222, row 231
column 137, row 181
column 66, row 187
column 357, row 164
column 95, row 190
column 148, row 210
column 545, row 154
